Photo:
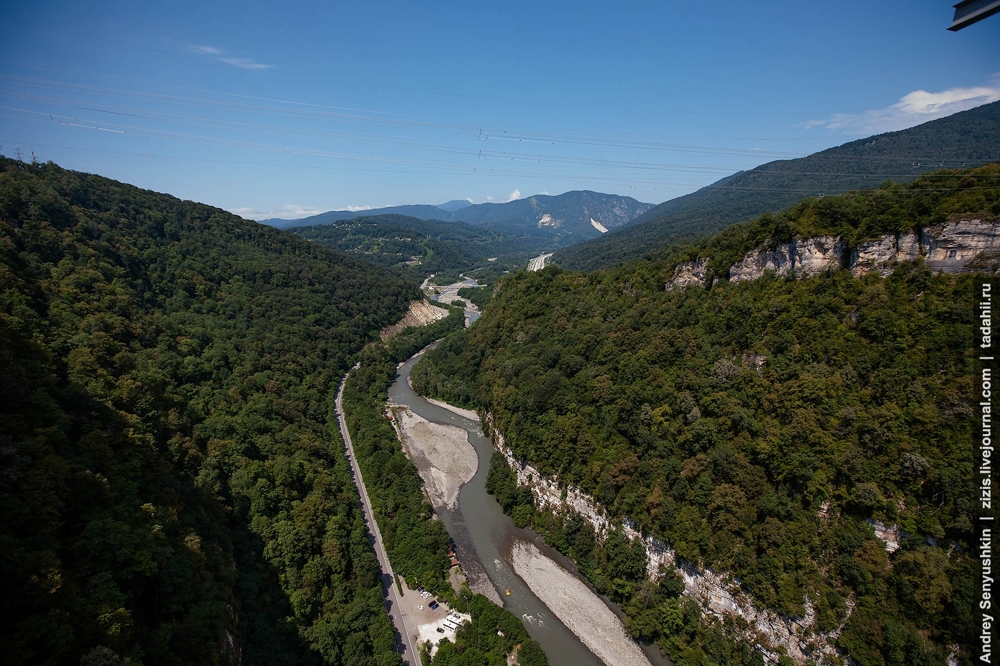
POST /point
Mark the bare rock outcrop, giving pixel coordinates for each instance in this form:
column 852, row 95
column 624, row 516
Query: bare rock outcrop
column 803, row 256
column 957, row 247
column 689, row 272
column 758, row 261
column 954, row 247
column 420, row 313
column 817, row 255
column 880, row 254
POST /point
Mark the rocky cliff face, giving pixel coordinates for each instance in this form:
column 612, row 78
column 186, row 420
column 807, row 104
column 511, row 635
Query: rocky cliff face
column 804, row 256
column 616, row 212
column 689, row 272
column 880, row 255
column 953, row 247
column 715, row 593
column 961, row 246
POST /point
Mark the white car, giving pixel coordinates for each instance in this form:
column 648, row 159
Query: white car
column 420, row 607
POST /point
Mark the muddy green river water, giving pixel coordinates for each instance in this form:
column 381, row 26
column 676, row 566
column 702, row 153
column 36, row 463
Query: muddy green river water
column 484, row 536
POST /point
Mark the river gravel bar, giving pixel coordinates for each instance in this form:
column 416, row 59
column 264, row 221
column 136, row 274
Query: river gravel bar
column 443, row 456
column 577, row 606
column 464, row 413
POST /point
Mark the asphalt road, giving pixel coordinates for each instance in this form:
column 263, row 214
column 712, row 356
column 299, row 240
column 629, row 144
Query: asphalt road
column 538, row 263
column 389, row 590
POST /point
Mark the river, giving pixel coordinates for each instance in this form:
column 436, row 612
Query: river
column 485, row 538
column 449, row 293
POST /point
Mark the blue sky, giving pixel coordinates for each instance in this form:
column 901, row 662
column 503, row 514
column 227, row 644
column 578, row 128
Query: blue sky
column 288, row 109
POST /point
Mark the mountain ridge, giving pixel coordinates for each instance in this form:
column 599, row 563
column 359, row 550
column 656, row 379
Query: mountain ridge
column 557, row 220
column 969, row 138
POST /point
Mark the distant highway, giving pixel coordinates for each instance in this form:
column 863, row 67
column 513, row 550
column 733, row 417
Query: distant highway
column 538, row 263
column 410, row 654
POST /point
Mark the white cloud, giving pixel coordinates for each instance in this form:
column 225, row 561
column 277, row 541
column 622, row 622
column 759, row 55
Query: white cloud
column 222, row 56
column 245, row 63
column 286, row 212
column 912, row 109
column 207, row 50
column 514, row 196
column 355, row 209
column 489, row 198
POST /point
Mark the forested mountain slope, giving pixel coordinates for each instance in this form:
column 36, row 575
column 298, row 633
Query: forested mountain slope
column 755, row 427
column 965, row 139
column 419, row 248
column 174, row 489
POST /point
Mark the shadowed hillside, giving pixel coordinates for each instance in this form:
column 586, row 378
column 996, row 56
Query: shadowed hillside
column 172, row 492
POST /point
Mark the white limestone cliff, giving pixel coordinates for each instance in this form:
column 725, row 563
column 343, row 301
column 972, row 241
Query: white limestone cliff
column 880, row 255
column 716, row 593
column 962, row 245
column 689, row 272
column 956, row 247
column 804, row 256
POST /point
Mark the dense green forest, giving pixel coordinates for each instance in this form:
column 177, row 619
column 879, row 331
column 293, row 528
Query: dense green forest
column 418, row 248
column 754, row 427
column 964, row 139
column 415, row 540
column 174, row 487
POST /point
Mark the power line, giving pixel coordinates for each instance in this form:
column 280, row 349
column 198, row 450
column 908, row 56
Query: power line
column 441, row 148
column 649, row 185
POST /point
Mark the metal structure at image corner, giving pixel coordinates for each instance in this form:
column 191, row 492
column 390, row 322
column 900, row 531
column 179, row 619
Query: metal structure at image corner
column 968, row 12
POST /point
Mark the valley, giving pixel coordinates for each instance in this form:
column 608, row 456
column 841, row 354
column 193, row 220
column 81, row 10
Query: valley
column 732, row 428
column 490, row 546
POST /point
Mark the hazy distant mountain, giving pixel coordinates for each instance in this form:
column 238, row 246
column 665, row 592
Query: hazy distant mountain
column 455, row 204
column 555, row 221
column 968, row 139
column 420, row 211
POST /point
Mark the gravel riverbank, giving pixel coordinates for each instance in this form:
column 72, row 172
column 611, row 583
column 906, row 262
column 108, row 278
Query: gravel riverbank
column 442, row 454
column 577, row 606
column 464, row 413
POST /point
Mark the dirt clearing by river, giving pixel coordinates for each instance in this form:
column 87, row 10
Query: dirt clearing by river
column 577, row 606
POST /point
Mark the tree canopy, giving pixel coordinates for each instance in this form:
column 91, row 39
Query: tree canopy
column 174, row 488
column 758, row 428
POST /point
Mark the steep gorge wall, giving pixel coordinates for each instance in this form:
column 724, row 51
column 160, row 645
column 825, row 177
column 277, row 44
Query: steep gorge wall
column 716, row 593
column 954, row 247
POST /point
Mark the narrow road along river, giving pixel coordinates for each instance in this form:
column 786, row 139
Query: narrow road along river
column 487, row 539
